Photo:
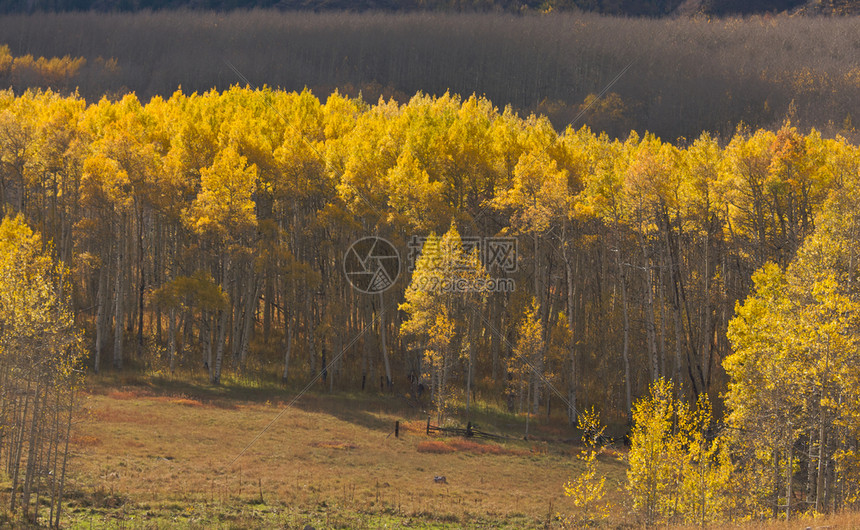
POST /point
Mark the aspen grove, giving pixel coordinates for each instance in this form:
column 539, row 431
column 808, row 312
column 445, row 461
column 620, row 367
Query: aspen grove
column 704, row 290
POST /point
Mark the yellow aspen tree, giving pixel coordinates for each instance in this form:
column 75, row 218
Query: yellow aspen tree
column 588, row 490
column 40, row 354
column 526, row 366
column 448, row 282
column 655, row 457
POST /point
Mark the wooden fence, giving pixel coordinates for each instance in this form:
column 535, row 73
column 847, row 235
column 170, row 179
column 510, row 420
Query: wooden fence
column 468, row 432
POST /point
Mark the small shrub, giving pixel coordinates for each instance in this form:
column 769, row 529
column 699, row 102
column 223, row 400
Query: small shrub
column 588, row 490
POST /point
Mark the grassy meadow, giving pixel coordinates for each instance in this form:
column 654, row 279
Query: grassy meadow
column 159, row 453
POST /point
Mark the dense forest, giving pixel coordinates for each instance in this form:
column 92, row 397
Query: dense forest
column 208, row 233
column 650, row 8
column 209, row 230
column 532, row 246
column 675, row 78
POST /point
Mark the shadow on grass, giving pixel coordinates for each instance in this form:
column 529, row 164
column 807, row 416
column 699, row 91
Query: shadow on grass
column 375, row 411
column 364, row 409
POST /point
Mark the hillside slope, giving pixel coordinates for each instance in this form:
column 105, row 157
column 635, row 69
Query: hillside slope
column 636, row 8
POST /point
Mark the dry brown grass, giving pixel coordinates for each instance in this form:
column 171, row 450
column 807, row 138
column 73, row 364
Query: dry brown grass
column 343, row 446
column 456, row 445
column 164, row 459
column 84, row 440
column 120, row 415
column 127, row 394
column 188, row 402
column 329, row 461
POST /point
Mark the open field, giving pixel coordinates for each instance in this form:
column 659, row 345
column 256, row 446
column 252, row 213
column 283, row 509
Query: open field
column 159, row 454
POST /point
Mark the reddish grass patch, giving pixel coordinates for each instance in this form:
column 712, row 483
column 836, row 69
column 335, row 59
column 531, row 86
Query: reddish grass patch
column 343, row 446
column 434, row 447
column 84, row 440
column 187, row 402
column 470, row 446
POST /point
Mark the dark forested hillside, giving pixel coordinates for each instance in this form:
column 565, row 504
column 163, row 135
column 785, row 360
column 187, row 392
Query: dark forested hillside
column 673, row 77
column 747, row 7
column 649, row 8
